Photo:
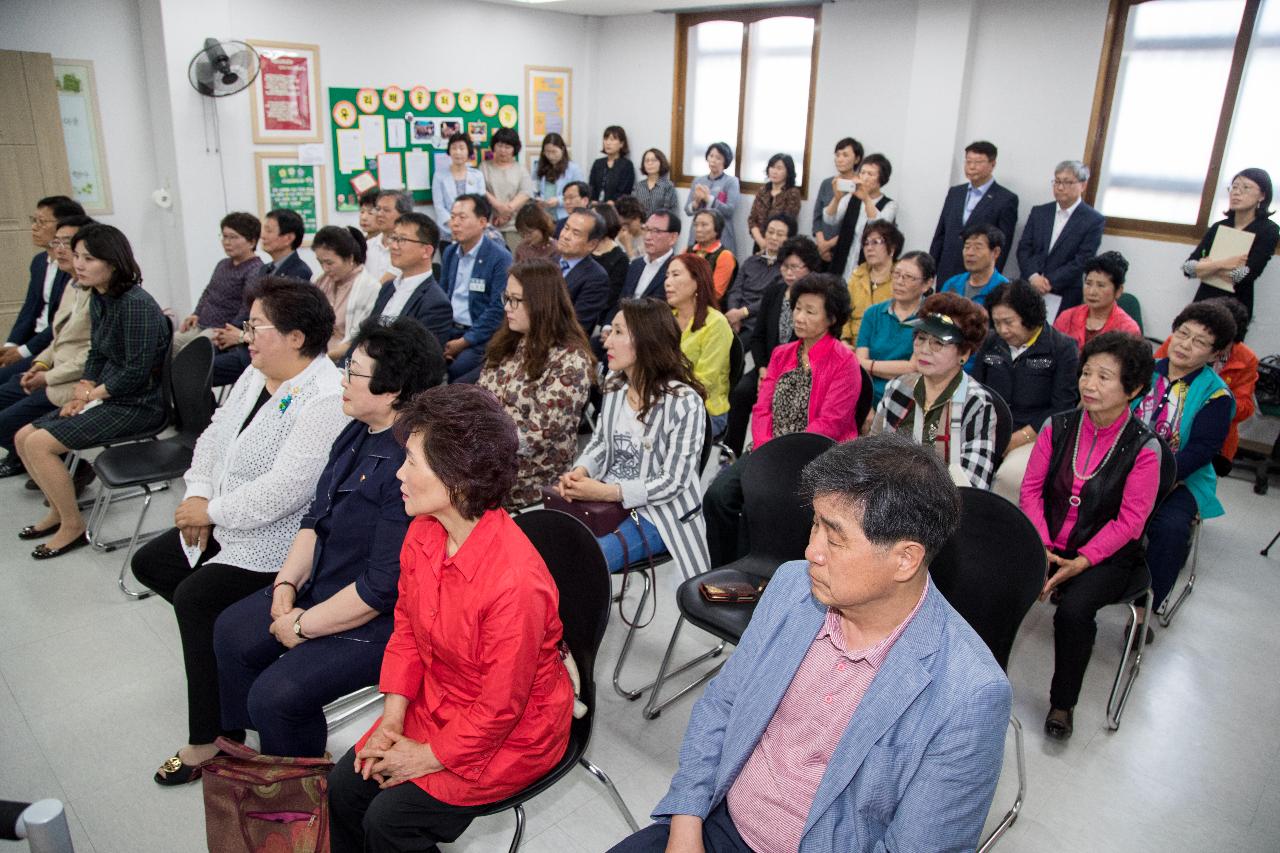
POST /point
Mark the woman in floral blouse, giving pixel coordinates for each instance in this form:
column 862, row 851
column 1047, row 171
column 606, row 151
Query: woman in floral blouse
column 539, row 364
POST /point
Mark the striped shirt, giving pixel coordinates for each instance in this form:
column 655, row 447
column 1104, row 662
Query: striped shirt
column 977, row 452
column 770, row 800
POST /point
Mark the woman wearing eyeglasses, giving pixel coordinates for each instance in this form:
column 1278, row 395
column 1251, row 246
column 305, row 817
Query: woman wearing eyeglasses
column 321, row 631
column 1248, row 209
column 885, row 343
column 1190, row 407
column 939, row 404
column 252, row 475
column 539, row 365
column 872, row 280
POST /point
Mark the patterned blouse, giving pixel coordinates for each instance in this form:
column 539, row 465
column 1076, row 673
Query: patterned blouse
column 546, row 412
column 791, row 401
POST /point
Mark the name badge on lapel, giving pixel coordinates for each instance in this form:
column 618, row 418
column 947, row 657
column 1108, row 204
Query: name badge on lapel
column 476, row 285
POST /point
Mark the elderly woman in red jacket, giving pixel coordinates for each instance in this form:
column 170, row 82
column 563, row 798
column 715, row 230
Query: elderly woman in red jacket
column 478, row 702
column 812, row 385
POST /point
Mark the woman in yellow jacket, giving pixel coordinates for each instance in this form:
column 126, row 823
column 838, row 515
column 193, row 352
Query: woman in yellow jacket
column 705, row 334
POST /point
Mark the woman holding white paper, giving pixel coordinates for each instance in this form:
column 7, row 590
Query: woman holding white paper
column 1248, row 209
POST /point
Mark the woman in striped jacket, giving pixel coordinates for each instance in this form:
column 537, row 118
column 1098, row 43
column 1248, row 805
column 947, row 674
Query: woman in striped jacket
column 646, row 449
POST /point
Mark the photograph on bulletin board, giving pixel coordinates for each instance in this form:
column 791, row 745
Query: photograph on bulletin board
column 284, row 182
column 392, row 138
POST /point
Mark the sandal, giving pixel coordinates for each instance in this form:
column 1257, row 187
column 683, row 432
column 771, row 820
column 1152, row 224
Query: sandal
column 1059, row 724
column 174, row 772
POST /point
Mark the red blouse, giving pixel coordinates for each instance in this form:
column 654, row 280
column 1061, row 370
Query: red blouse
column 475, row 650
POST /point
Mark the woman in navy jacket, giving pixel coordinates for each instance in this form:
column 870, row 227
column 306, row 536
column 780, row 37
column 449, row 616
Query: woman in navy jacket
column 319, row 632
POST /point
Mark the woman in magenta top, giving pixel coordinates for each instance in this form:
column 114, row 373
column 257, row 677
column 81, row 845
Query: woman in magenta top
column 1090, row 486
column 478, row 702
column 1103, row 283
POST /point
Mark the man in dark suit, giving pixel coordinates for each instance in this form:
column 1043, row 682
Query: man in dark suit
column 576, row 195
column 33, row 329
column 588, row 281
column 1061, row 236
column 979, row 201
column 282, row 233
column 647, row 275
column 474, row 275
column 414, row 292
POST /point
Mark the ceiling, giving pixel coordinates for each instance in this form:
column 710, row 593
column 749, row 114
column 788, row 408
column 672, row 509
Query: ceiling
column 629, row 7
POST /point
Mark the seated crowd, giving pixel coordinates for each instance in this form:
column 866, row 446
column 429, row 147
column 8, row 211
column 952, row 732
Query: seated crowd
column 434, row 379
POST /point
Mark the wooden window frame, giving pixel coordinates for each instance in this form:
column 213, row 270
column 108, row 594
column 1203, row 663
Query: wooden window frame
column 1100, row 120
column 745, row 17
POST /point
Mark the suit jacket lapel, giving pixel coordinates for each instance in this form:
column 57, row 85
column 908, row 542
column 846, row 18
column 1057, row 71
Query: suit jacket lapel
column 897, row 684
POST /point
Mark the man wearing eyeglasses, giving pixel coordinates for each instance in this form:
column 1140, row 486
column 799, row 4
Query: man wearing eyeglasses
column 1061, row 236
column 475, row 277
column 32, row 330
column 414, row 292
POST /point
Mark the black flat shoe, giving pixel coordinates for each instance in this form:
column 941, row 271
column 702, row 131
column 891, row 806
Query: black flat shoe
column 30, row 485
column 30, row 531
column 1137, row 638
column 176, row 773
column 1059, row 724
column 12, row 466
column 44, row 552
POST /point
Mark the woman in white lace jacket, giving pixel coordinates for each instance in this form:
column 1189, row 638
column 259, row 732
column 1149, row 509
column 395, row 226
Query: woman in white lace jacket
column 251, row 478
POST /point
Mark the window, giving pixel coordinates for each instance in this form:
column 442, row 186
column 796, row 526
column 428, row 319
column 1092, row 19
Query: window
column 745, row 78
column 1183, row 103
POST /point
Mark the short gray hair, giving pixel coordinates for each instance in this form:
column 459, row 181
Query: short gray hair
column 404, row 201
column 1075, row 167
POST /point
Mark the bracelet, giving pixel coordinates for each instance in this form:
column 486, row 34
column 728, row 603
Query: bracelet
column 284, row 583
column 41, row 364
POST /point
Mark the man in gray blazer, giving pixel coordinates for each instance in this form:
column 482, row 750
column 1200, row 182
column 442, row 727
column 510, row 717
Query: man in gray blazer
column 859, row 711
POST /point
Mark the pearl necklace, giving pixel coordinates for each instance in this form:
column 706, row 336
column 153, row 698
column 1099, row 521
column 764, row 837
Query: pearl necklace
column 1074, row 500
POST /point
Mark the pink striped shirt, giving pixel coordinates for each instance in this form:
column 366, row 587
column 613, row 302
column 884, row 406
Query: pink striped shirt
column 770, row 800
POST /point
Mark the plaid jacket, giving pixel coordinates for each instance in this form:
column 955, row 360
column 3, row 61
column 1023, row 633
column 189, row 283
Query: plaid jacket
column 977, row 423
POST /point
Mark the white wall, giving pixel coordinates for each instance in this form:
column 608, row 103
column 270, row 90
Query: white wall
column 108, row 33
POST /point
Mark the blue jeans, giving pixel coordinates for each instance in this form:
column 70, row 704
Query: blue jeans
column 635, row 545
column 718, row 424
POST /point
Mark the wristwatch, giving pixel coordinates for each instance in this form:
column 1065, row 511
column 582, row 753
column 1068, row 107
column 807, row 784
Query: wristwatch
column 297, row 628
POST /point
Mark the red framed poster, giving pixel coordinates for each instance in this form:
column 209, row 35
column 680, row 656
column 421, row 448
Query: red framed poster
column 286, row 94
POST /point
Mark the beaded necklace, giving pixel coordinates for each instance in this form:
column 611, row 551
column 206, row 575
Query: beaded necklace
column 1074, row 500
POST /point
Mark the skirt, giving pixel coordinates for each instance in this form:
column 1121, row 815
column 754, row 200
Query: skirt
column 102, row 423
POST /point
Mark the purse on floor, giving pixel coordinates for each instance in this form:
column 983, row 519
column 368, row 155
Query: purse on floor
column 256, row 803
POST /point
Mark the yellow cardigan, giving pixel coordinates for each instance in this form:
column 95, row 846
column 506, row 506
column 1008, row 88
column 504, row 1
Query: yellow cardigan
column 863, row 296
column 708, row 349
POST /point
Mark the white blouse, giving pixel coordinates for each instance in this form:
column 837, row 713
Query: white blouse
column 260, row 480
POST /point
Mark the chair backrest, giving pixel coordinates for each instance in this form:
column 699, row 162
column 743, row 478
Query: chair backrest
column 1168, row 472
column 1004, row 422
column 577, row 565
column 189, row 382
column 1131, row 306
column 737, row 361
column 777, row 520
column 992, row 569
column 863, row 407
column 708, row 441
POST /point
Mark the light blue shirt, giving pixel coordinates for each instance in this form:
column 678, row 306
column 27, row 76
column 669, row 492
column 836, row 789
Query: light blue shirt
column 973, row 196
column 567, row 265
column 555, row 189
column 461, row 296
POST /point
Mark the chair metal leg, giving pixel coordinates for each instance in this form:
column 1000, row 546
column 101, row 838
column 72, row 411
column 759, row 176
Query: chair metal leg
column 133, row 546
column 653, row 708
column 94, row 522
column 1167, row 609
column 515, row 840
column 1012, row 815
column 613, row 792
column 44, row 825
column 346, row 708
column 626, row 644
column 1126, row 675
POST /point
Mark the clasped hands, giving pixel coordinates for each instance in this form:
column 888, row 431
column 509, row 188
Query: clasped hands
column 80, row 397
column 389, row 758
column 577, row 486
column 1067, row 569
column 193, row 522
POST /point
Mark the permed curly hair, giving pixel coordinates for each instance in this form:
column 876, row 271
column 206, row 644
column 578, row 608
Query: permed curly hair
column 969, row 316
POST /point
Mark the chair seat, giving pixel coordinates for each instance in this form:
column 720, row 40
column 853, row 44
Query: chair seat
column 128, row 465
column 725, row 620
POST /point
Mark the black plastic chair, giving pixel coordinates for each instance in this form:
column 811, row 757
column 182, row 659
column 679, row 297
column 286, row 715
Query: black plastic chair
column 863, row 407
column 777, row 523
column 737, row 364
column 993, row 589
column 143, row 464
column 577, row 564
column 640, row 566
column 1004, row 424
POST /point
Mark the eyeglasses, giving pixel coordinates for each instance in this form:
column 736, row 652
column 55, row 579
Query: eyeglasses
column 347, row 373
column 509, row 301
column 59, row 242
column 251, row 331
column 924, row 340
column 649, row 230
column 37, row 220
column 794, row 267
column 873, row 241
column 396, row 239
column 1059, row 182
column 901, row 275
column 1183, row 335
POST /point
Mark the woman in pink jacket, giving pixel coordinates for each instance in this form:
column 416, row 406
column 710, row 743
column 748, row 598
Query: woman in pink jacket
column 1103, row 283
column 812, row 385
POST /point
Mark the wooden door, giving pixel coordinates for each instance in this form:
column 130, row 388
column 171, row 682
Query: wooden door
column 33, row 164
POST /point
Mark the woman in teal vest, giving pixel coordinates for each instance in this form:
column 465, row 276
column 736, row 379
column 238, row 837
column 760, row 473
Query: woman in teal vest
column 1191, row 408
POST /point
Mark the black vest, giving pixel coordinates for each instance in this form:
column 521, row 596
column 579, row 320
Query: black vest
column 1102, row 496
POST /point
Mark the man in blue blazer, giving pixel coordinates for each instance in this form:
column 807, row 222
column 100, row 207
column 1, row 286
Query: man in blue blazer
column 474, row 275
column 978, row 201
column 859, row 712
column 414, row 292
column 33, row 329
column 1061, row 236
column 588, row 281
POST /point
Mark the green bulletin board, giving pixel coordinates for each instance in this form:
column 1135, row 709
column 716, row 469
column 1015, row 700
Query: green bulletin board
column 390, row 137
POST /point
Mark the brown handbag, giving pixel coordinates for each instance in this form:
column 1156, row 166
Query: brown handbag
column 255, row 803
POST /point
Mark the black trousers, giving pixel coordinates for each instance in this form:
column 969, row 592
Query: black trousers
column 722, row 509
column 198, row 595
column 364, row 817
column 719, row 835
column 1075, row 625
column 742, row 398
